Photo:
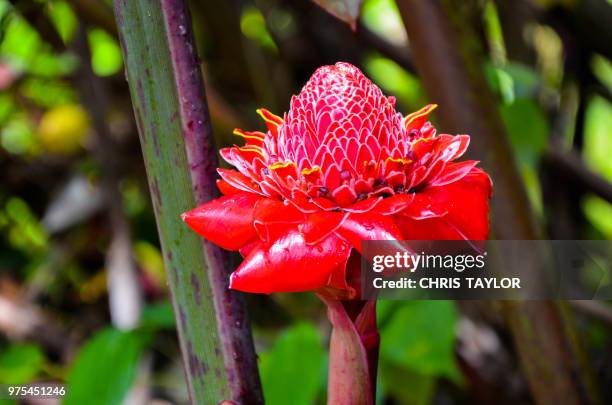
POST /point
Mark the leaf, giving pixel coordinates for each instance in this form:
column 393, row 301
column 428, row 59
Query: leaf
column 158, row 316
column 291, row 369
column 420, row 336
column 20, row 364
column 345, row 10
column 106, row 58
column 406, row 386
column 527, row 128
column 105, row 367
column 597, row 139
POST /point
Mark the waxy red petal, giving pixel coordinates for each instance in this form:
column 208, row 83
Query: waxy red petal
column 227, row 189
column 369, row 226
column 320, row 224
column 290, row 265
column 239, row 181
column 465, row 203
column 272, row 219
column 418, row 118
column 226, row 221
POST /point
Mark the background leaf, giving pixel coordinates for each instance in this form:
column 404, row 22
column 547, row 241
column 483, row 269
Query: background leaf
column 419, row 336
column 19, row 364
column 345, row 10
column 105, row 367
column 291, row 369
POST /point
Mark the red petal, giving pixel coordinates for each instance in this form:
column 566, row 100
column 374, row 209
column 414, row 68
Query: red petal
column 451, row 147
column 320, row 224
column 290, row 265
column 454, row 172
column 272, row 218
column 344, row 195
column 466, row 203
column 226, row 221
column 226, row 189
column 364, row 205
column 252, row 138
column 239, row 181
column 418, row 118
column 369, row 226
column 394, row 204
column 272, row 121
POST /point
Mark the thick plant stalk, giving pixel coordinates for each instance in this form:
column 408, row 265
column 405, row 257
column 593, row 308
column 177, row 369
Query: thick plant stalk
column 353, row 352
column 448, row 57
column 163, row 71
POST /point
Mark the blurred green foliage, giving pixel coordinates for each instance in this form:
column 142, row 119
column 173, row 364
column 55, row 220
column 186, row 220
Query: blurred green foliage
column 292, row 370
column 427, row 346
column 20, row 363
column 105, row 367
column 253, row 26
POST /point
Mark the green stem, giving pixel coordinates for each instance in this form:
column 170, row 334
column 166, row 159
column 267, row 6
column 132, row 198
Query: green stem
column 163, row 71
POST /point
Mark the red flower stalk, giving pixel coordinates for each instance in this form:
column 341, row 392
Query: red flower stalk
column 342, row 166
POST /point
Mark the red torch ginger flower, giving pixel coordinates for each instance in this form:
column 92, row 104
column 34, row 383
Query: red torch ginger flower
column 342, row 166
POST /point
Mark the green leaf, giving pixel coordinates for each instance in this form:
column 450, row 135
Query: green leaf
column 19, row 364
column 105, row 367
column 395, row 80
column 291, row 369
column 383, row 18
column 158, row 316
column 64, row 19
column 406, row 386
column 106, row 56
column 597, row 139
column 527, row 128
column 420, row 336
column 599, row 212
column 253, row 26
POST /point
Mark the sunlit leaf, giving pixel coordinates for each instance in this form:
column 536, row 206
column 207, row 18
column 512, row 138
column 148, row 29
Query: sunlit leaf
column 396, row 81
column 64, row 19
column 150, row 260
column 17, row 136
column 345, row 10
column 603, row 70
column 383, row 18
column 253, row 26
column 106, row 56
column 20, row 364
column 105, row 367
column 291, row 371
column 26, row 232
column 599, row 212
column 597, row 139
column 48, row 93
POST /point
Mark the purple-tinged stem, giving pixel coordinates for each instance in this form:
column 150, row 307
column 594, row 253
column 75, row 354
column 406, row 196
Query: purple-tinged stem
column 169, row 100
